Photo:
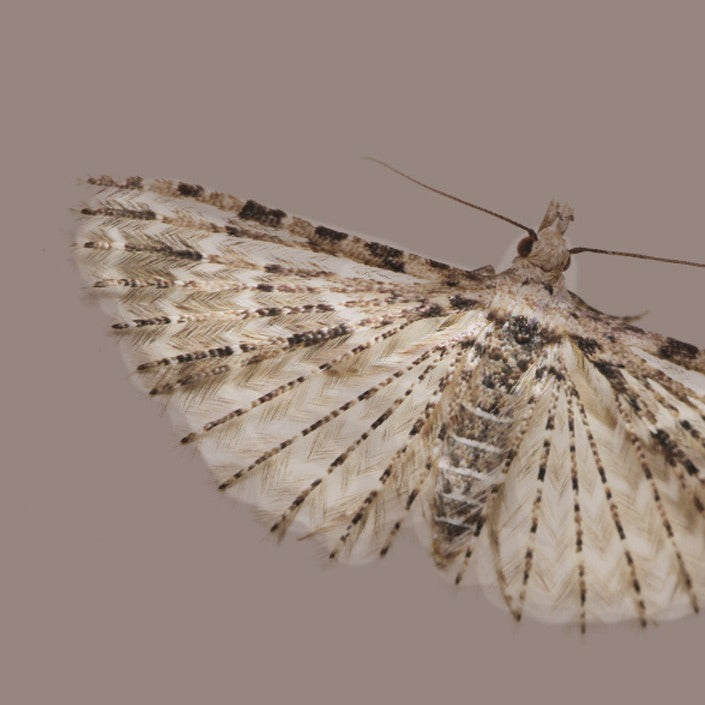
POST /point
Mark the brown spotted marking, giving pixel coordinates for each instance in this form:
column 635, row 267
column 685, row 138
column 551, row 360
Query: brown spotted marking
column 363, row 396
column 673, row 454
column 671, row 450
column 280, row 344
column 188, row 223
column 337, row 284
column 656, row 495
column 614, row 511
column 640, row 369
column 270, row 217
column 495, row 498
column 264, row 312
column 185, row 253
column 673, row 349
column 428, row 467
column 291, row 384
column 306, row 236
column 130, row 183
column 283, row 523
column 133, row 214
column 171, row 189
column 577, row 516
column 536, row 506
column 190, row 190
column 386, row 256
column 363, row 510
column 190, row 379
column 330, row 234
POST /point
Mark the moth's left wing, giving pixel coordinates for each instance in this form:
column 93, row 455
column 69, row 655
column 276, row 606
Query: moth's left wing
column 310, row 367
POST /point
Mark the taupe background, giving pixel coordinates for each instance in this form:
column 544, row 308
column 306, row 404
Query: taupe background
column 125, row 576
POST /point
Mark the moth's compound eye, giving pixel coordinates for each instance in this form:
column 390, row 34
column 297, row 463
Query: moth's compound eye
column 524, row 246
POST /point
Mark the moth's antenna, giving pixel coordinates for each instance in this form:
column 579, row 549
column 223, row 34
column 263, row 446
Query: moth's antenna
column 578, row 250
column 529, row 230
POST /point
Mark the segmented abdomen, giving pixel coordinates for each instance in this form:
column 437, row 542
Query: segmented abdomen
column 477, row 438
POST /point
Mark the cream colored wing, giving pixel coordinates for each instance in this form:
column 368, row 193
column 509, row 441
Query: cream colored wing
column 310, row 367
column 600, row 517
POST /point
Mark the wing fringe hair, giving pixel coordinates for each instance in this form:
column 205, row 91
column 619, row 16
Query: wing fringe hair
column 310, row 367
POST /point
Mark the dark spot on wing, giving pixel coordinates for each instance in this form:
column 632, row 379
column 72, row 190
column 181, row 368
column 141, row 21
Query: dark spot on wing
column 438, row 265
column 271, row 217
column 329, row 234
column 607, row 370
column 383, row 251
column 612, row 374
column 146, row 214
column 524, row 331
column 556, row 373
column 313, row 337
column 462, row 302
column 192, row 190
column 589, row 346
column 495, row 316
column 433, row 311
column 389, row 257
column 678, row 349
column 690, row 467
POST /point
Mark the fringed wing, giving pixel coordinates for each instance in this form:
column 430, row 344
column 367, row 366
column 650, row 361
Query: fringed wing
column 601, row 517
column 654, row 397
column 310, row 367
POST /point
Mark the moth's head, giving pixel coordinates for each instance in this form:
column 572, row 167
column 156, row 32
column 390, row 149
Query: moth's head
column 548, row 249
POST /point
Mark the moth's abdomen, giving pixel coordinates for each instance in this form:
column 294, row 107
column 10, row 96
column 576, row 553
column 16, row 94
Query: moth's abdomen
column 471, row 452
column 477, row 438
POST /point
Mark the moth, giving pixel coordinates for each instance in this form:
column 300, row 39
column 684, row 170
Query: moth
column 552, row 453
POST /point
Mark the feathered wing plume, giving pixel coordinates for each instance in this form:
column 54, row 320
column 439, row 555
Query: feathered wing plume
column 601, row 516
column 346, row 388
column 310, row 367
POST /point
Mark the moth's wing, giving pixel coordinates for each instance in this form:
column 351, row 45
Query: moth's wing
column 309, row 367
column 655, row 387
column 138, row 201
column 613, row 527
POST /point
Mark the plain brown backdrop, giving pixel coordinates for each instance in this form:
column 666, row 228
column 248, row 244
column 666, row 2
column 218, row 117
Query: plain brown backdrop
column 126, row 578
